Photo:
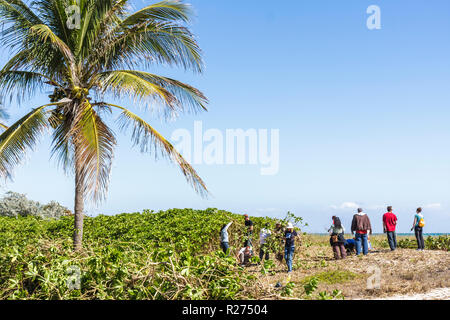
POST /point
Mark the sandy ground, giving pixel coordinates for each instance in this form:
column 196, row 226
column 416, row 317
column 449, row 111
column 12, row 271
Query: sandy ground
column 436, row 294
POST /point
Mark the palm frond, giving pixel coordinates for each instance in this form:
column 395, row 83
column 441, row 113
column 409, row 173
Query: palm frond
column 39, row 59
column 26, row 11
column 45, row 34
column 183, row 96
column 62, row 146
column 94, row 143
column 19, row 137
column 122, row 83
column 162, row 11
column 150, row 42
column 151, row 140
column 53, row 14
column 23, row 83
column 18, row 18
column 98, row 17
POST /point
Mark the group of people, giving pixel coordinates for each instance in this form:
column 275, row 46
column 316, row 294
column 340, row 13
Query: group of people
column 361, row 228
column 283, row 237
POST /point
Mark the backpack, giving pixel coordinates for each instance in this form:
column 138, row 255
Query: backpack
column 421, row 223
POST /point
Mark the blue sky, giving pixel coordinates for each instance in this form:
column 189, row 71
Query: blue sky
column 362, row 114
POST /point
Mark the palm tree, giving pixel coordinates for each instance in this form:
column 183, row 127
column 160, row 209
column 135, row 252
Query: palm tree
column 85, row 65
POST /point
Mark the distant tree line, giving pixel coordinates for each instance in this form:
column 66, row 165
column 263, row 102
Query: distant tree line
column 14, row 204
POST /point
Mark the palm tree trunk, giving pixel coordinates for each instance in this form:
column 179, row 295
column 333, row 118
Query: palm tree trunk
column 79, row 205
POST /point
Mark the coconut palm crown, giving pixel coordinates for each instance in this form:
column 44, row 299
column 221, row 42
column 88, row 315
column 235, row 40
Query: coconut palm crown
column 87, row 52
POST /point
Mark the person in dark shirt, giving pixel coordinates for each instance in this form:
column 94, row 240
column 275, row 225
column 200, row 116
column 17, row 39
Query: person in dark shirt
column 289, row 247
column 361, row 227
column 249, row 225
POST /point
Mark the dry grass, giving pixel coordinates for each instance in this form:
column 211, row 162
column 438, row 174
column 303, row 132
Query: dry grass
column 404, row 271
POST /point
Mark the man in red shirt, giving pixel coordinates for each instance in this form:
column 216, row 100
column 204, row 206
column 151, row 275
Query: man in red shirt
column 389, row 224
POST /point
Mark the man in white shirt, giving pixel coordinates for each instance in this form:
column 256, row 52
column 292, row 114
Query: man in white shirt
column 263, row 235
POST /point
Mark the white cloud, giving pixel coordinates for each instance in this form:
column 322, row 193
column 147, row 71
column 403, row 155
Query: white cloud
column 433, row 206
column 346, row 205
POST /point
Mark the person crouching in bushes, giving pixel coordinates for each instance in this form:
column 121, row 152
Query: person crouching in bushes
column 337, row 239
column 349, row 245
column 245, row 254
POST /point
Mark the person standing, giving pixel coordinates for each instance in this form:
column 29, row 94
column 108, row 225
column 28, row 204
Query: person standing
column 249, row 225
column 289, row 247
column 337, row 240
column 389, row 225
column 361, row 227
column 279, row 241
column 224, row 237
column 263, row 235
column 419, row 223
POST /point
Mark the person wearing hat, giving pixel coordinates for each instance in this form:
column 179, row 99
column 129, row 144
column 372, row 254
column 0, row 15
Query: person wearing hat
column 289, row 247
column 263, row 235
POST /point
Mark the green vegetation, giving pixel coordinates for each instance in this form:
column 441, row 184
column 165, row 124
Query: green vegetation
column 288, row 289
column 310, row 285
column 331, row 277
column 438, row 243
column 170, row 254
column 336, row 294
column 431, row 243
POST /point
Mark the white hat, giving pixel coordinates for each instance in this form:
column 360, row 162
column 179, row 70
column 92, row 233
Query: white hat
column 290, row 226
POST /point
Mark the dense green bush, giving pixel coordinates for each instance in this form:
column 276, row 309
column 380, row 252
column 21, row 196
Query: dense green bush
column 431, row 243
column 170, row 254
column 438, row 243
